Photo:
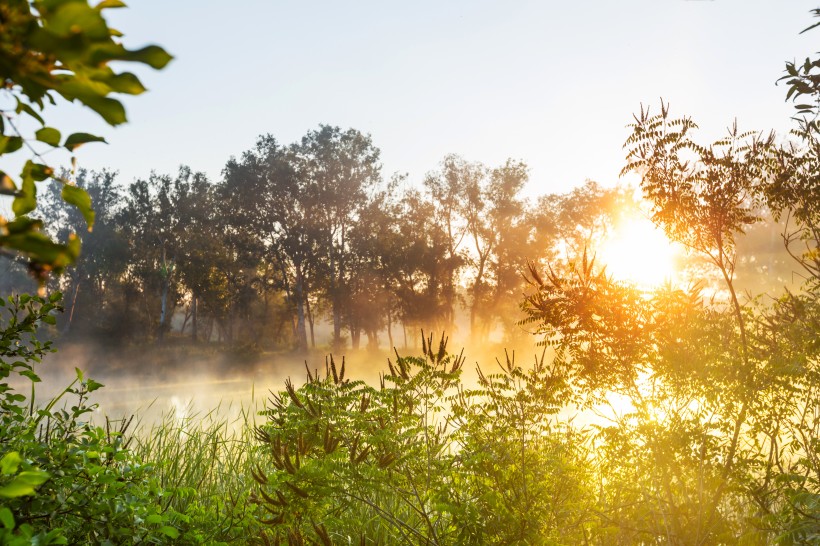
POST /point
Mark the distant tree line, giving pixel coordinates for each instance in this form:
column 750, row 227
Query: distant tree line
column 296, row 234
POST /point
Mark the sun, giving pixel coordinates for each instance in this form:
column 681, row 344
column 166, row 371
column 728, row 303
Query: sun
column 639, row 252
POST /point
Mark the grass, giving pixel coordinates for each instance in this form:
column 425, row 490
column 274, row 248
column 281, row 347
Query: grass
column 202, row 464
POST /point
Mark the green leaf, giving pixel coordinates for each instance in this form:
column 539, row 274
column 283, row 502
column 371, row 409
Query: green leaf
column 125, row 83
column 10, row 144
column 32, row 477
column 37, row 171
column 154, row 518
column 92, row 385
column 78, row 197
column 169, row 531
column 6, row 518
column 76, row 140
column 23, row 225
column 107, row 4
column 17, row 488
column 154, row 56
column 23, row 107
column 49, row 135
column 10, row 463
column 92, row 94
column 72, row 19
column 31, row 375
column 40, row 248
column 26, row 200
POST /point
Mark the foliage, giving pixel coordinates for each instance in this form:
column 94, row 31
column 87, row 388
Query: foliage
column 51, row 48
column 88, row 486
column 203, row 467
column 65, row 480
column 419, row 459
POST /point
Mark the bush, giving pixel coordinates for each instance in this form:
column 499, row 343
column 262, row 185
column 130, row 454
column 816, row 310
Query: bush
column 65, row 480
column 420, row 459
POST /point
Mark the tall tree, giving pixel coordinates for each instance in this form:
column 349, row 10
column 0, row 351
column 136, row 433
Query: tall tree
column 493, row 213
column 447, row 189
column 271, row 203
column 339, row 171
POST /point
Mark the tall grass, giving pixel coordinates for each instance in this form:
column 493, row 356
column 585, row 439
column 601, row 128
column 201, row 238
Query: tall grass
column 202, row 464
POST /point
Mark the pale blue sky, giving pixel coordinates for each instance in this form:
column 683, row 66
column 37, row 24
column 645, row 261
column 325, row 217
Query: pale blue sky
column 552, row 83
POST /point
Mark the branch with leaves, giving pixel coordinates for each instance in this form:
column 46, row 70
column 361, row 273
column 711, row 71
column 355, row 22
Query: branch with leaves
column 51, row 48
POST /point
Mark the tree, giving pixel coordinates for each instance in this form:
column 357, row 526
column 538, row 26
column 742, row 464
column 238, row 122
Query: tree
column 447, row 190
column 93, row 283
column 50, row 48
column 272, row 204
column 493, row 213
column 153, row 219
column 340, row 171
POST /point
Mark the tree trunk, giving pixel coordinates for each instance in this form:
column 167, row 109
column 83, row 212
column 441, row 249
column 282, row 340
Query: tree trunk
column 301, row 331
column 311, row 322
column 372, row 340
column 163, row 309
column 355, row 337
column 389, row 326
column 194, row 317
column 73, row 306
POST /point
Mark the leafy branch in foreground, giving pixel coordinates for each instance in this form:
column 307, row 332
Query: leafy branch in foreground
column 51, row 48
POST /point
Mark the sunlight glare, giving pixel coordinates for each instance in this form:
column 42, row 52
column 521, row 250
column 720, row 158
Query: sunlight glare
column 639, row 252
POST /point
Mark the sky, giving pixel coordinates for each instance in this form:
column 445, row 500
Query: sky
column 551, row 83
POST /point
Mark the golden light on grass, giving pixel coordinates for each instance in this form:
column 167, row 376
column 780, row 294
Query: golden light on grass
column 639, row 252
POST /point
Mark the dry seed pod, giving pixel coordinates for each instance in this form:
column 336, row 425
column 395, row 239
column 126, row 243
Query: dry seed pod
column 261, row 435
column 274, row 521
column 301, row 445
column 330, row 443
column 292, row 393
column 295, row 538
column 259, row 476
column 322, row 532
column 288, row 464
column 353, row 447
column 365, row 403
column 333, row 369
column 385, row 460
column 362, row 455
column 301, row 492
column 271, row 500
column 442, row 348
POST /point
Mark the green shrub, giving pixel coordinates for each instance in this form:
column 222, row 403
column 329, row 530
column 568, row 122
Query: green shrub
column 65, row 480
column 420, row 459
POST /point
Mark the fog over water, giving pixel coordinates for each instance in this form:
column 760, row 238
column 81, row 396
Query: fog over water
column 191, row 381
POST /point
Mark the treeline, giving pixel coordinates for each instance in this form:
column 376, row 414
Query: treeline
column 294, row 235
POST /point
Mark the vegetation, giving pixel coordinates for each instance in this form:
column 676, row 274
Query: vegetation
column 263, row 257
column 51, row 48
column 680, row 415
